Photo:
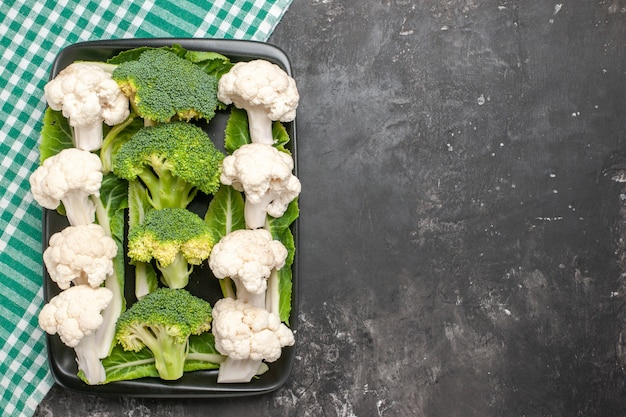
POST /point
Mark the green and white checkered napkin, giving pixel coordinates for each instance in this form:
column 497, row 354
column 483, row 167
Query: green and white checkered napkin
column 33, row 32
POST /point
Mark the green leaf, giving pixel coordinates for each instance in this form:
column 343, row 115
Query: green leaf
column 236, row 133
column 110, row 214
column 280, row 228
column 56, row 134
column 211, row 62
column 285, row 290
column 123, row 365
column 202, row 353
column 116, row 137
column 281, row 137
column 133, row 54
column 225, row 212
column 146, row 279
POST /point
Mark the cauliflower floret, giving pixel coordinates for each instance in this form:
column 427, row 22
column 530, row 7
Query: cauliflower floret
column 80, row 255
column 88, row 96
column 248, row 257
column 247, row 335
column 264, row 174
column 265, row 91
column 75, row 314
column 70, row 177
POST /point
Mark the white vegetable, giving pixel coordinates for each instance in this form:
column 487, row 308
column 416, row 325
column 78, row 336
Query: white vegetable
column 88, row 96
column 80, row 255
column 265, row 175
column 265, row 91
column 247, row 335
column 75, row 314
column 248, row 257
column 70, row 177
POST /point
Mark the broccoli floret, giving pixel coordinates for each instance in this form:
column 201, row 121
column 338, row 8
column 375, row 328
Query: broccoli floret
column 163, row 321
column 176, row 238
column 173, row 160
column 161, row 86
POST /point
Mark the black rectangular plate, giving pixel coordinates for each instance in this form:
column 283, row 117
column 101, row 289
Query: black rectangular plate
column 192, row 384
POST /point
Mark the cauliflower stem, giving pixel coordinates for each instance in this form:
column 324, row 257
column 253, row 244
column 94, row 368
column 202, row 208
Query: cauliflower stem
column 88, row 360
column 238, row 370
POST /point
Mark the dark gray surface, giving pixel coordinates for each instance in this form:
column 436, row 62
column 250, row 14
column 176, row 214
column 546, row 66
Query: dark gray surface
column 460, row 249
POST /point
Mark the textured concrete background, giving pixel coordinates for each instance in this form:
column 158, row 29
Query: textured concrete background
column 460, row 251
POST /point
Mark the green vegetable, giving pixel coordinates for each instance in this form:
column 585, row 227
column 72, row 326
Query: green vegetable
column 56, row 134
column 162, row 86
column 163, row 321
column 173, row 160
column 110, row 214
column 176, row 238
column 225, row 212
column 146, row 279
column 280, row 286
column 123, row 365
column 210, row 62
column 115, row 138
column 202, row 353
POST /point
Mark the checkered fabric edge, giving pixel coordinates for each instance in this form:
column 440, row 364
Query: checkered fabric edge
column 32, row 33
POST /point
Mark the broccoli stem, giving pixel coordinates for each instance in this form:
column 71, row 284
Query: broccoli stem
column 226, row 285
column 145, row 279
column 106, row 151
column 88, row 361
column 176, row 275
column 169, row 353
column 167, row 191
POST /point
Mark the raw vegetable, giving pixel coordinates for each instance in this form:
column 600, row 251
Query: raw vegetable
column 146, row 279
column 80, row 255
column 163, row 321
column 279, row 284
column 162, row 86
column 265, row 175
column 69, row 177
column 265, row 91
column 110, row 215
column 151, row 165
column 88, row 97
column 75, row 315
column 248, row 257
column 122, row 365
column 247, row 335
column 176, row 238
column 173, row 161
